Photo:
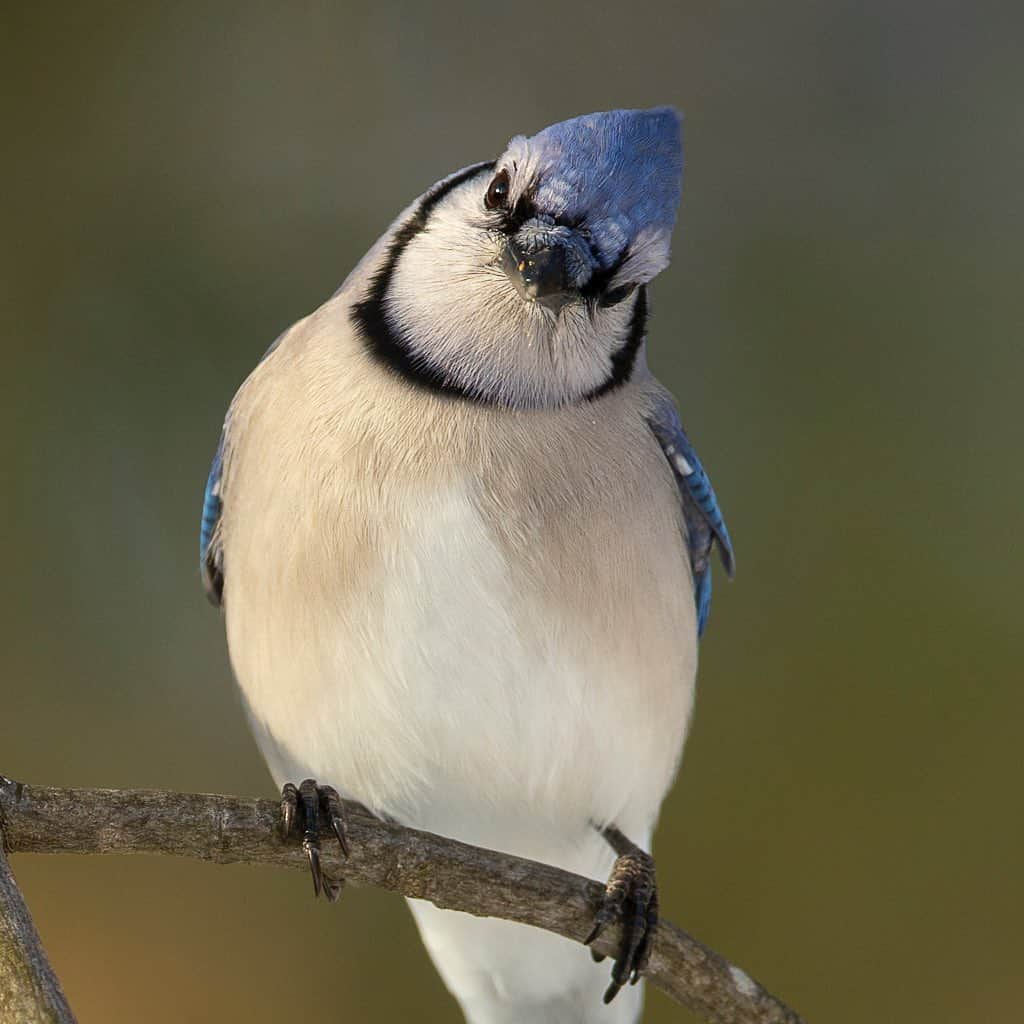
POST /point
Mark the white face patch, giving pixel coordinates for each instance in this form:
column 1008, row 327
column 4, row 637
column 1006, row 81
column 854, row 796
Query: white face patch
column 456, row 310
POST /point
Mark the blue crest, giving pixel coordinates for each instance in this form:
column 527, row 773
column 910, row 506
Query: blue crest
column 619, row 173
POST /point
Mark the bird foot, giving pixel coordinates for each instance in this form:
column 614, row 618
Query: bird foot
column 630, row 899
column 306, row 801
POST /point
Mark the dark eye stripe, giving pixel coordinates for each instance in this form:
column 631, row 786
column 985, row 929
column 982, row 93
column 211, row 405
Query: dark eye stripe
column 524, row 209
column 616, row 295
column 595, row 287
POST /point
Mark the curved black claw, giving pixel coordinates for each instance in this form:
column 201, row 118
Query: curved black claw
column 631, row 899
column 309, row 800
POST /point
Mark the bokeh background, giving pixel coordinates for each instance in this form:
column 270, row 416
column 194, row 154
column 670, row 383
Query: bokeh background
column 842, row 324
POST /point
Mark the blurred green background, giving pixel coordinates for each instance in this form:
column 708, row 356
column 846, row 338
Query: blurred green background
column 842, row 325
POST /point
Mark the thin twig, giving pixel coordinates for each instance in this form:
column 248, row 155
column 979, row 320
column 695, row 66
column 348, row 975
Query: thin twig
column 29, row 990
column 416, row 864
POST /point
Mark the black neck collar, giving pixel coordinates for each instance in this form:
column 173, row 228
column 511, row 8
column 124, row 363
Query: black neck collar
column 386, row 345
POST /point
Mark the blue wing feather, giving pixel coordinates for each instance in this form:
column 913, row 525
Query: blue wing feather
column 705, row 525
column 211, row 556
column 702, row 595
column 210, row 559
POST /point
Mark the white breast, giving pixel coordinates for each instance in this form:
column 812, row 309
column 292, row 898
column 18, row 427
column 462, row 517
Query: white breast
column 496, row 646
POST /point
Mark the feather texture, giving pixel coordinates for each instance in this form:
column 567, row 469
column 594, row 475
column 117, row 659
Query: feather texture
column 446, row 525
column 705, row 524
column 211, row 551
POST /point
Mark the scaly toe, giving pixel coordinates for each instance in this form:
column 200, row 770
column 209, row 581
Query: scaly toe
column 630, row 899
column 308, row 800
column 331, row 804
column 289, row 809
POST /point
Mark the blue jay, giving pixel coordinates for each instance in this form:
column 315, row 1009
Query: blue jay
column 462, row 546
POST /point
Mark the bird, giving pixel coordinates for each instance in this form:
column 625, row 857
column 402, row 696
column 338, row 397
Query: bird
column 462, row 546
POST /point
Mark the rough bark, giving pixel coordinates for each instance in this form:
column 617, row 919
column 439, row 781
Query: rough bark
column 420, row 865
column 29, row 990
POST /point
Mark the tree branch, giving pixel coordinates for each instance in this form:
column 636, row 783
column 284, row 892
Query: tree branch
column 420, row 865
column 29, row 990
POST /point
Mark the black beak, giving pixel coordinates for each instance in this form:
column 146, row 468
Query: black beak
column 537, row 275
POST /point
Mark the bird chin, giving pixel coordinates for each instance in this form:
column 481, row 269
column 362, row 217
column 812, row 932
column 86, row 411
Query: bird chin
column 549, row 306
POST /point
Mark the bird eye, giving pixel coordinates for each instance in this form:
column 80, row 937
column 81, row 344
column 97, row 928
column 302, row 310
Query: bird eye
column 497, row 191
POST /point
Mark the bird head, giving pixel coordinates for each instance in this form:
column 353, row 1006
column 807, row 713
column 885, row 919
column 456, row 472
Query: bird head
column 521, row 282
